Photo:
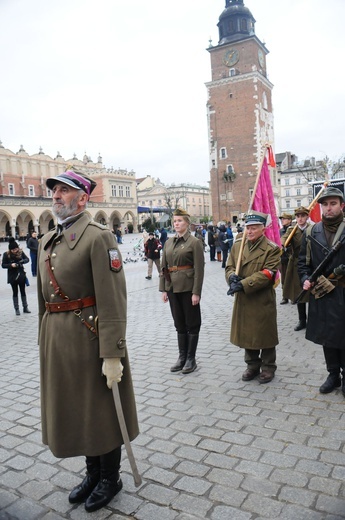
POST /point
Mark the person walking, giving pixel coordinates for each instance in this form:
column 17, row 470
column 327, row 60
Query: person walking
column 82, row 339
column 163, row 236
column 181, row 284
column 326, row 324
column 286, row 220
column 211, row 243
column 254, row 316
column 224, row 244
column 14, row 260
column 152, row 253
column 33, row 246
column 292, row 285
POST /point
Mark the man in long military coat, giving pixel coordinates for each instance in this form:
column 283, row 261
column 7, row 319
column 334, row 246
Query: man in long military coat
column 254, row 316
column 82, row 339
column 326, row 323
column 292, row 286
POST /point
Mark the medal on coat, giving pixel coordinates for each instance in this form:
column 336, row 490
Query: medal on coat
column 115, row 261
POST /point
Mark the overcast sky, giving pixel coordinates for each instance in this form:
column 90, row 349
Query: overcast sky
column 126, row 79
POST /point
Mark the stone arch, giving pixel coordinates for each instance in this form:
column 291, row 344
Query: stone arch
column 115, row 220
column 5, row 225
column 130, row 218
column 25, row 224
column 101, row 217
column 45, row 222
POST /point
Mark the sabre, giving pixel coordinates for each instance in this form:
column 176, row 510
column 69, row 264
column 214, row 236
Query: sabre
column 124, row 432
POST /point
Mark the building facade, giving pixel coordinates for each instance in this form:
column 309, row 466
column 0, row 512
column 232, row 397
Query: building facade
column 239, row 112
column 153, row 195
column 25, row 201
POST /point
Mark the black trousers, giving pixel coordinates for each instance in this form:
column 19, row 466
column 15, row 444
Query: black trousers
column 335, row 359
column 212, row 252
column 187, row 317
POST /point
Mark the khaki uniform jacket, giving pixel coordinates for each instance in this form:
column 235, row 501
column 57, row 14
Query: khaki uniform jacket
column 186, row 250
column 292, row 284
column 78, row 413
column 254, row 316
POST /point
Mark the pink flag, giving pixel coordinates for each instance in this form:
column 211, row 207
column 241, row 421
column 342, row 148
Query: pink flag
column 264, row 202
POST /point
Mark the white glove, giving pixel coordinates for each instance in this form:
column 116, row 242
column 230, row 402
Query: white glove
column 112, row 368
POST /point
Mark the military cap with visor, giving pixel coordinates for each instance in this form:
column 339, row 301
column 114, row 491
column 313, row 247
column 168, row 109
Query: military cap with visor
column 331, row 191
column 286, row 215
column 255, row 217
column 76, row 180
column 301, row 211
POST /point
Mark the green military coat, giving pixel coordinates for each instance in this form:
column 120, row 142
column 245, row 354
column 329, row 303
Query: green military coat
column 254, row 316
column 292, row 284
column 186, row 250
column 78, row 413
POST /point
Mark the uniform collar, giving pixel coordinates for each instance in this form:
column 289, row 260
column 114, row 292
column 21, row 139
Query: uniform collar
column 184, row 237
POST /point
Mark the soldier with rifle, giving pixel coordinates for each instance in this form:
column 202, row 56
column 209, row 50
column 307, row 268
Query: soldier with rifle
column 321, row 268
column 292, row 285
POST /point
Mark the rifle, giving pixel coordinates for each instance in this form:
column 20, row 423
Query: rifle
column 320, row 268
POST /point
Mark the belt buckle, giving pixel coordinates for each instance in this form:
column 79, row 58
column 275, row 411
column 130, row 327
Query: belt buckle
column 174, row 268
column 47, row 307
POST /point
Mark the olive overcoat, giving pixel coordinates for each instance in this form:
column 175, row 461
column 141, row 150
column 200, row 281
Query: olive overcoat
column 186, row 250
column 292, row 284
column 254, row 316
column 78, row 413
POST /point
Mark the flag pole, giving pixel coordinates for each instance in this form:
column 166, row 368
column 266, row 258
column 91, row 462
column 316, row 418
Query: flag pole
column 244, row 236
column 310, row 207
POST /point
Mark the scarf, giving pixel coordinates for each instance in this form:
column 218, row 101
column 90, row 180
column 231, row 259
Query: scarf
column 330, row 227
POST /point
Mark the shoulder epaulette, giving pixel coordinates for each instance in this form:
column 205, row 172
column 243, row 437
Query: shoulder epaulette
column 97, row 224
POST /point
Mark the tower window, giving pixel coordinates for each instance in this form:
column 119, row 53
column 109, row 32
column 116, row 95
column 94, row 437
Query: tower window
column 232, row 72
column 11, row 189
column 244, row 25
column 222, row 153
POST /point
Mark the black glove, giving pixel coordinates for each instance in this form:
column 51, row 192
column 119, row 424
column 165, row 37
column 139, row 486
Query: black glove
column 340, row 270
column 234, row 278
column 235, row 287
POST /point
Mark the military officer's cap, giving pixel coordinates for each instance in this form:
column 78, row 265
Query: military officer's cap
column 179, row 212
column 301, row 210
column 255, row 217
column 286, row 215
column 331, row 192
column 76, row 180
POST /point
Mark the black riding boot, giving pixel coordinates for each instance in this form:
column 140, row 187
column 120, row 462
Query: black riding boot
column 93, row 473
column 25, row 305
column 182, row 340
column 190, row 364
column 110, row 483
column 302, row 316
column 16, row 305
column 333, row 363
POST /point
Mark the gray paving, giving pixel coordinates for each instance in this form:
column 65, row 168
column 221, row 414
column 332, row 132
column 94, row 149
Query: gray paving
column 211, row 446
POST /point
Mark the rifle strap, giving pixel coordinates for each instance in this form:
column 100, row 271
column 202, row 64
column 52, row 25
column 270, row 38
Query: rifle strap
column 335, row 239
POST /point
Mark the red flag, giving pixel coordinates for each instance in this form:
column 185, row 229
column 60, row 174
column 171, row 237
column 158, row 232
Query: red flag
column 315, row 214
column 265, row 203
column 271, row 159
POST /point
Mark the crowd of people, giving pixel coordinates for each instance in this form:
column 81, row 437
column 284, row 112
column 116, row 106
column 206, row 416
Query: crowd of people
column 82, row 327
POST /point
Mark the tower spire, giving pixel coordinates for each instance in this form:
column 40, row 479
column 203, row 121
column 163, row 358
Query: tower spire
column 235, row 23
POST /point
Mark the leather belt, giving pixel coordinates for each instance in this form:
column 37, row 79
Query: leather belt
column 179, row 268
column 71, row 305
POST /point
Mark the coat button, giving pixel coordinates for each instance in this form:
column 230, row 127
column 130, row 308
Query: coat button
column 53, row 255
column 121, row 343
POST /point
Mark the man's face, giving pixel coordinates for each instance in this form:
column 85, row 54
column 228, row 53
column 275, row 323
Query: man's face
column 301, row 219
column 332, row 207
column 255, row 231
column 286, row 221
column 67, row 201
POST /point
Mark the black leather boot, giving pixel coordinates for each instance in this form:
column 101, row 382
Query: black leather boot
column 83, row 491
column 332, row 382
column 25, row 305
column 190, row 364
column 343, row 385
column 110, row 483
column 16, row 305
column 182, row 340
column 302, row 315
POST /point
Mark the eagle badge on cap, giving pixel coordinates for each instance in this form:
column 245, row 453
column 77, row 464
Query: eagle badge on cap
column 115, row 260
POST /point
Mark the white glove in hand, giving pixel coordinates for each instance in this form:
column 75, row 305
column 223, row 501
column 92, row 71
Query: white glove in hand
column 112, row 368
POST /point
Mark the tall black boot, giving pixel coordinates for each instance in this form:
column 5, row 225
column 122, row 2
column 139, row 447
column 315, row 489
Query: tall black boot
column 302, row 316
column 93, row 474
column 182, row 340
column 25, row 305
column 190, row 364
column 333, row 364
column 110, row 483
column 16, row 305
